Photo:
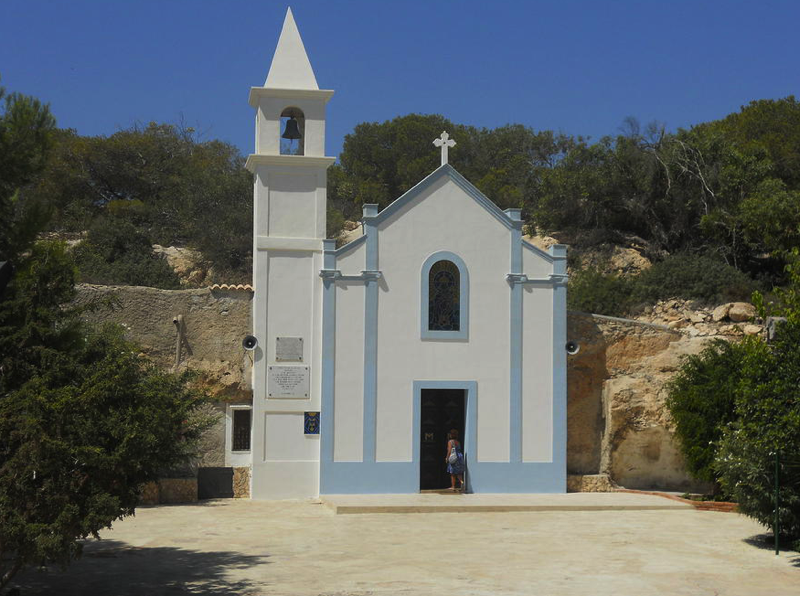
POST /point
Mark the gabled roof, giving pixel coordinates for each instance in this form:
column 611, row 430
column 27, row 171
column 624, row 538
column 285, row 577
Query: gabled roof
column 449, row 171
column 290, row 68
column 351, row 245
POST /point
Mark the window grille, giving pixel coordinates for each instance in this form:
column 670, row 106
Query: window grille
column 444, row 299
column 241, row 430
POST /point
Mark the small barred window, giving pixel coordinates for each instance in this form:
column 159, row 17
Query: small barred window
column 241, row 430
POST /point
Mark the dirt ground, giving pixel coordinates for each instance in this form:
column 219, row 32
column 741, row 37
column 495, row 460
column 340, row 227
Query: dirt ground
column 276, row 548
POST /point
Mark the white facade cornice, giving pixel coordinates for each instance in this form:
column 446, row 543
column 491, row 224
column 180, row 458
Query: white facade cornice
column 256, row 93
column 302, row 244
column 254, row 160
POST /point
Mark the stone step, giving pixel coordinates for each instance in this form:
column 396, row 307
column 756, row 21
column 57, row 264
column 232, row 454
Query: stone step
column 449, row 502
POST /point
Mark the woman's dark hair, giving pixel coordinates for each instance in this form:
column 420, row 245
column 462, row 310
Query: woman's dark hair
column 453, row 434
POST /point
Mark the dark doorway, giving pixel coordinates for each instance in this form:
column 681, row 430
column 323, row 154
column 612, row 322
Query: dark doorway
column 442, row 410
column 215, row 483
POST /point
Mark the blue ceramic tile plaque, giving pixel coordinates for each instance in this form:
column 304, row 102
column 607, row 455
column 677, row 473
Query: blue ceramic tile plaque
column 311, row 423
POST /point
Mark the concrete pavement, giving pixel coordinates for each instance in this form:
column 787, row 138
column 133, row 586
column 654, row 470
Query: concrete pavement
column 301, row 548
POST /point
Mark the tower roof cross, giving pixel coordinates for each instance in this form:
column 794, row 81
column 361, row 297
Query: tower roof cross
column 445, row 142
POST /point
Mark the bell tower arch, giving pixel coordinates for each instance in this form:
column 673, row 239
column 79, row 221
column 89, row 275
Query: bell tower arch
column 289, row 226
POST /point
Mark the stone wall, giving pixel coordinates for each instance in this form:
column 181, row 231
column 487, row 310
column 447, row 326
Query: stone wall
column 214, row 323
column 169, row 491
column 617, row 424
column 617, row 421
column 241, row 482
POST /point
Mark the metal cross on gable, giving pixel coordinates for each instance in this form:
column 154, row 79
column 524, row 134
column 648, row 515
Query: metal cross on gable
column 445, row 142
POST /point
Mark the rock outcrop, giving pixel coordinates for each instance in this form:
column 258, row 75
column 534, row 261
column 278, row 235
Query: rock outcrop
column 188, row 265
column 618, row 429
column 617, row 422
column 213, row 323
column 729, row 320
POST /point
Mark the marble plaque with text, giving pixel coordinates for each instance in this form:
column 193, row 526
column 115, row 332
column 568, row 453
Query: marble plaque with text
column 289, row 349
column 288, row 381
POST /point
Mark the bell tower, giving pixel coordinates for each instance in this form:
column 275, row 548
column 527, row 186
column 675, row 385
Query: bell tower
column 290, row 177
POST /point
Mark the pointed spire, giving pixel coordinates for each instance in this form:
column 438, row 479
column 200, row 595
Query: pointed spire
column 290, row 67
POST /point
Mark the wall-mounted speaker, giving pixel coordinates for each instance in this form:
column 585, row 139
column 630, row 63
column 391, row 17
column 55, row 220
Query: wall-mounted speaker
column 250, row 342
column 572, row 348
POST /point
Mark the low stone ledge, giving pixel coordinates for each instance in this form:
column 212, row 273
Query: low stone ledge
column 590, row 483
column 719, row 506
column 241, row 482
column 169, row 491
column 149, row 494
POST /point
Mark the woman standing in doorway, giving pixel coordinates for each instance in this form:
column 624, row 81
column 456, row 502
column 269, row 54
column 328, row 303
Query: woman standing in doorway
column 455, row 460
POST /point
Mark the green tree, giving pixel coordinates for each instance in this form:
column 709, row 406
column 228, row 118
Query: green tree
column 173, row 187
column 770, row 217
column 26, row 131
column 84, row 421
column 767, row 422
column 381, row 161
column 701, row 400
column 740, row 405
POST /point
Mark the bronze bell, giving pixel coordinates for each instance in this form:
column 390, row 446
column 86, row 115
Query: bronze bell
column 292, row 131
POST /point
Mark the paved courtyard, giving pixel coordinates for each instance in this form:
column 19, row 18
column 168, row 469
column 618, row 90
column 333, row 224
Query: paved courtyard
column 252, row 548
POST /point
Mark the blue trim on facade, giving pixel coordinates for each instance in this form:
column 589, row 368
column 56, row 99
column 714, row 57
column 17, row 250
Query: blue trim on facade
column 370, row 335
column 463, row 332
column 403, row 477
column 538, row 252
column 559, row 254
column 515, row 350
column 328, row 356
column 461, row 182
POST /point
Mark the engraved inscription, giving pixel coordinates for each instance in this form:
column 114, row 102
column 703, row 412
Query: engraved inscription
column 288, row 381
column 289, row 349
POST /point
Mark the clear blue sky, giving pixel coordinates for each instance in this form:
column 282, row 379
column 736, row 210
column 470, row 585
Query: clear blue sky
column 574, row 66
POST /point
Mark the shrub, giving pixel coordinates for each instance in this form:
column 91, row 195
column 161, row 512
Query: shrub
column 116, row 252
column 701, row 402
column 84, row 421
column 591, row 290
column 767, row 421
column 692, row 277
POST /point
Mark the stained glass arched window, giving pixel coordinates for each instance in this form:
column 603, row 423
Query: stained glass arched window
column 444, row 297
column 444, row 304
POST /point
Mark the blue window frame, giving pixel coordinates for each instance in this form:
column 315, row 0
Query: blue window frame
column 444, row 298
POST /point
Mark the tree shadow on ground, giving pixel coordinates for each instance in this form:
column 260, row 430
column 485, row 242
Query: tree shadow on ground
column 111, row 567
column 767, row 542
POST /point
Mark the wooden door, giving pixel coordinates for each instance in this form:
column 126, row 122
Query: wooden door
column 442, row 410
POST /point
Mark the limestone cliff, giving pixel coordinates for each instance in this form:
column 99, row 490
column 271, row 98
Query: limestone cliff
column 617, row 423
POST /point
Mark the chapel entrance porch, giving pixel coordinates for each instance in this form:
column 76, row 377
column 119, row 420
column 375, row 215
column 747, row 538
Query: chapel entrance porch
column 442, row 410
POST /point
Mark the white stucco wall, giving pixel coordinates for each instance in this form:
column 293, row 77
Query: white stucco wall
column 537, row 372
column 446, row 219
column 349, row 382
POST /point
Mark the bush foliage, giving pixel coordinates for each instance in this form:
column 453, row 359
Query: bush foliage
column 725, row 188
column 701, row 400
column 116, row 252
column 767, row 422
column 691, row 277
column 84, row 420
column 694, row 277
column 740, row 405
column 591, row 290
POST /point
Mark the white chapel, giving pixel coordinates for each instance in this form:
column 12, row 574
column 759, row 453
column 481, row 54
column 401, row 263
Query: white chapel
column 440, row 316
